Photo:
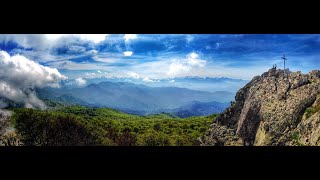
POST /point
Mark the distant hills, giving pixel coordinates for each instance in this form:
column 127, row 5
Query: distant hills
column 199, row 109
column 141, row 99
column 191, row 82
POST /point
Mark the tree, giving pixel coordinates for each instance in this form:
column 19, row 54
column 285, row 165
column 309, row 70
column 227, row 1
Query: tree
column 156, row 127
column 51, row 129
column 154, row 138
column 127, row 139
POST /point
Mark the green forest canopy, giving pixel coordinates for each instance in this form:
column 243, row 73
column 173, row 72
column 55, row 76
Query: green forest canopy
column 78, row 125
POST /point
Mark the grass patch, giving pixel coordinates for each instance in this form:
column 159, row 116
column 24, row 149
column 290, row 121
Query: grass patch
column 311, row 111
column 296, row 139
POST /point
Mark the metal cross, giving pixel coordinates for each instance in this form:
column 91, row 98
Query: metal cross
column 284, row 61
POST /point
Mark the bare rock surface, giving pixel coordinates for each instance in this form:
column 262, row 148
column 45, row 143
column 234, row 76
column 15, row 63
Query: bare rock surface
column 276, row 108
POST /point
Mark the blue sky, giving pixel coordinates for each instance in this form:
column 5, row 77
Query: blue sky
column 151, row 56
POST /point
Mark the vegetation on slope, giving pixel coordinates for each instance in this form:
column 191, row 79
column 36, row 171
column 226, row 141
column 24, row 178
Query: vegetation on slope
column 311, row 111
column 78, row 125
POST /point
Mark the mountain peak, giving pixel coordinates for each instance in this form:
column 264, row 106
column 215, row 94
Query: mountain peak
column 277, row 108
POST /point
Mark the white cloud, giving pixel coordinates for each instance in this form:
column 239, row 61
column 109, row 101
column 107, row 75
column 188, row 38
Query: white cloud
column 35, row 41
column 28, row 73
column 45, row 42
column 146, row 79
column 128, row 37
column 92, row 75
column 172, row 81
column 133, row 75
column 196, row 62
column 127, row 53
column 54, row 37
column 181, row 66
column 178, row 67
column 96, row 38
column 99, row 71
column 192, row 59
column 19, row 77
column 192, row 55
column 81, row 81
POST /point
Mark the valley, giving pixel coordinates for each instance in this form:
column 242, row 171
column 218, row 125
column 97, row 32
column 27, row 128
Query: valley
column 140, row 99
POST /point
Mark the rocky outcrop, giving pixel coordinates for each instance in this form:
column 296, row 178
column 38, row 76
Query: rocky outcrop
column 276, row 108
column 8, row 136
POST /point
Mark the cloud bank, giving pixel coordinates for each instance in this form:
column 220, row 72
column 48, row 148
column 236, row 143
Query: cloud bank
column 20, row 76
column 80, row 82
column 186, row 65
column 164, row 55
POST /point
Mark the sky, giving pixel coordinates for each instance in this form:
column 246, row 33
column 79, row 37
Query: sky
column 159, row 56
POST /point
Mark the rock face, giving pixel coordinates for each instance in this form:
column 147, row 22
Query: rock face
column 276, row 108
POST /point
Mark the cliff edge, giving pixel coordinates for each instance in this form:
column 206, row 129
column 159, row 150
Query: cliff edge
column 276, row 108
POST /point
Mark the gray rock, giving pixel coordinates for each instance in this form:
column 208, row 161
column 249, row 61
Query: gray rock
column 270, row 110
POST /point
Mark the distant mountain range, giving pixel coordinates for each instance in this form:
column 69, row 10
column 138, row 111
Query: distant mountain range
column 209, row 84
column 198, row 109
column 141, row 99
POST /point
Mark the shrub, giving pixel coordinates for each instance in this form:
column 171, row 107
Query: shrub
column 51, row 129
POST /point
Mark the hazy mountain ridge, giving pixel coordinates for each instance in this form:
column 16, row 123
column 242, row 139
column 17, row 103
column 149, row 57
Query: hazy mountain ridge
column 135, row 98
column 191, row 82
column 196, row 108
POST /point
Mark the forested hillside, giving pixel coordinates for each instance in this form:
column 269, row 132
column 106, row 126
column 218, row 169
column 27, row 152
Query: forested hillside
column 78, row 125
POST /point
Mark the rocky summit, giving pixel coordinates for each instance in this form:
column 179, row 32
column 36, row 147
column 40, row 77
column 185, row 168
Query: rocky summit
column 278, row 108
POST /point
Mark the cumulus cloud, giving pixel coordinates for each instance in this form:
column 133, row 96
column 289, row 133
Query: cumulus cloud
column 193, row 60
column 34, row 41
column 19, row 77
column 54, row 37
column 185, row 65
column 128, row 37
column 127, row 53
column 81, row 81
column 178, row 67
column 96, row 38
column 52, row 47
